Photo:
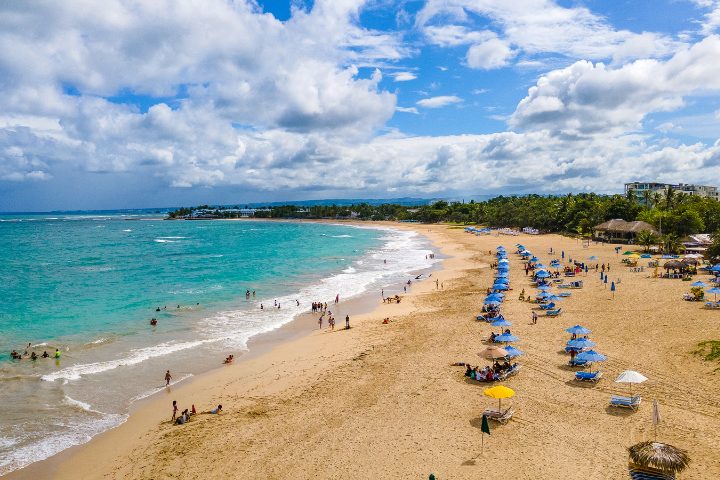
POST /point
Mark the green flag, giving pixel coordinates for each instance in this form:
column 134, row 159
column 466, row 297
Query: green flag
column 485, row 425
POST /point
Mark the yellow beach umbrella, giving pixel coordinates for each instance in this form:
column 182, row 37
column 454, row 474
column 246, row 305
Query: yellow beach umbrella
column 499, row 392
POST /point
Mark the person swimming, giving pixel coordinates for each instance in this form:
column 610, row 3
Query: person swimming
column 45, row 354
column 153, row 322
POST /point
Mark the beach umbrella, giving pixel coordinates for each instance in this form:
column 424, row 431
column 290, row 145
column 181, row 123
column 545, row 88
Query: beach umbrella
column 580, row 343
column 544, row 288
column 578, row 330
column 698, row 284
column 500, row 286
column 673, row 264
column 503, row 260
column 499, row 295
column 512, row 351
column 491, row 303
column 501, row 322
column 689, row 261
column 499, row 392
column 630, row 376
column 554, row 298
column 628, row 252
column 542, row 274
column 493, row 353
column 506, row 338
column 714, row 291
column 502, row 281
column 645, row 255
column 590, row 356
column 660, row 458
column 503, row 274
column 593, row 257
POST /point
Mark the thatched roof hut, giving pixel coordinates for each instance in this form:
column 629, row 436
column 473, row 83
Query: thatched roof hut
column 658, row 457
column 674, row 264
column 618, row 230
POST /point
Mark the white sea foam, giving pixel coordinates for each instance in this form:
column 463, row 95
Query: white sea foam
column 77, row 403
column 173, row 238
column 75, row 372
column 349, row 270
column 127, row 230
column 76, row 431
column 164, row 240
column 153, row 391
column 341, row 236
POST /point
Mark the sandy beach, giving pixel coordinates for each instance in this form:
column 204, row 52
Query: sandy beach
column 384, row 401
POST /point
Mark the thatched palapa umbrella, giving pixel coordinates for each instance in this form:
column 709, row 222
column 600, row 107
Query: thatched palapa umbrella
column 656, row 460
column 674, row 264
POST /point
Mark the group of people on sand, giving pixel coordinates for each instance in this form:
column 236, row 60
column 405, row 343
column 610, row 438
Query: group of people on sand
column 319, row 307
column 15, row 355
column 488, row 374
column 184, row 417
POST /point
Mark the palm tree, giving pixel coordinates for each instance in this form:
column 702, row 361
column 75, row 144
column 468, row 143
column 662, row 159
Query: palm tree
column 647, row 198
column 671, row 243
column 647, row 239
column 669, row 197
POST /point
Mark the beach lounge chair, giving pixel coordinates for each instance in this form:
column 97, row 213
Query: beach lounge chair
column 712, row 305
column 548, row 306
column 564, row 294
column 645, row 473
column 588, row 376
column 553, row 313
column 499, row 416
column 625, row 402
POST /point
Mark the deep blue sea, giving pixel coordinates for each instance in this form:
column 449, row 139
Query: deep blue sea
column 88, row 285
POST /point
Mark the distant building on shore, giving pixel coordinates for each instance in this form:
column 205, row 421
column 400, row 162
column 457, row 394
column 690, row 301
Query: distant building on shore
column 620, row 231
column 639, row 188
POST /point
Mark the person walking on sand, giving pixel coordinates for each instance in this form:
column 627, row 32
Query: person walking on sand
column 168, row 377
column 347, row 322
column 534, row 318
column 437, row 284
column 175, row 410
column 337, row 298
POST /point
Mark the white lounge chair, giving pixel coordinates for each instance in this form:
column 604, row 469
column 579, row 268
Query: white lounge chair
column 499, row 416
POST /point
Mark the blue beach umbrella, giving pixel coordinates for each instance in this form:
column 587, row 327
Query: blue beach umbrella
column 578, row 330
column 501, row 322
column 715, row 268
column 593, row 257
column 698, row 284
column 590, row 356
column 501, row 287
column 512, row 351
column 506, row 337
column 542, row 274
column 580, row 343
column 502, row 280
column 544, row 288
column 645, row 255
column 714, row 291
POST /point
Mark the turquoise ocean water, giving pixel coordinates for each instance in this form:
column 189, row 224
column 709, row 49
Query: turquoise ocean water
column 89, row 284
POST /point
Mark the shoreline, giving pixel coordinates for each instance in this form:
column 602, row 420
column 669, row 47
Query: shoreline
column 259, row 346
column 387, row 401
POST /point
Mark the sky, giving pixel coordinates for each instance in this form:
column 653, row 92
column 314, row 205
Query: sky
column 131, row 104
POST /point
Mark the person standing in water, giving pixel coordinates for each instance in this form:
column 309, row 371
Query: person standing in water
column 168, row 377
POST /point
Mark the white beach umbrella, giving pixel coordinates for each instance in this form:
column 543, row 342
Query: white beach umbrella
column 630, row 376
